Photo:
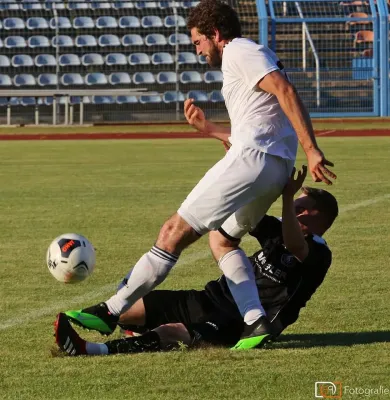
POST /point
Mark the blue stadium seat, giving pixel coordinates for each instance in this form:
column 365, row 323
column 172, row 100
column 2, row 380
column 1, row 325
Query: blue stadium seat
column 69, row 60
column 186, row 57
column 171, row 21
column 151, row 21
column 14, row 42
column 116, row 59
column 126, row 100
column 10, row 5
column 14, row 101
column 77, row 5
column 38, row 41
column 162, row 58
column 59, row 4
column 24, row 80
column 119, row 4
column 132, row 40
column 60, row 23
column 5, row 80
column 28, row 101
column 109, row 40
column 197, row 95
column 45, row 60
column 103, row 100
column 31, row 5
column 92, row 59
column 155, row 39
column 4, row 61
column 72, row 79
column 164, row 77
column 96, row 78
column 86, row 41
column 83, row 23
column 189, row 4
column 216, row 96
column 168, row 4
column 100, row 5
column 45, row 101
column 37, row 23
column 202, row 60
column 129, row 21
column 180, row 38
column 145, row 4
column 139, row 59
column 142, row 78
column 3, row 100
column 106, row 22
column 119, row 78
column 190, row 77
column 150, row 98
column 62, row 41
column 173, row 96
column 213, row 76
column 22, row 60
column 13, row 23
column 47, row 80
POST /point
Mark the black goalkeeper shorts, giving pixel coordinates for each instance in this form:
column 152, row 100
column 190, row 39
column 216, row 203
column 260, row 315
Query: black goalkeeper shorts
column 193, row 308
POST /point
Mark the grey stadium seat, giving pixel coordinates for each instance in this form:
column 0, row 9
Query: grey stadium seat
column 31, row 5
column 168, row 4
column 5, row 80
column 171, row 21
column 109, row 40
column 202, row 60
column 216, row 96
column 62, row 41
column 4, row 61
column 139, row 59
column 162, row 58
column 129, row 21
column 47, row 80
column 150, row 98
column 190, row 77
column 86, row 41
column 13, row 23
column 151, row 21
column 37, row 23
column 126, row 100
column 116, row 59
column 155, row 39
column 38, row 41
column 103, row 100
column 164, row 77
column 69, row 59
column 120, row 4
column 172, row 96
column 140, row 78
column 92, row 59
column 28, row 101
column 100, row 5
column 119, row 78
column 180, row 38
column 60, row 23
column 10, row 5
column 186, row 57
column 189, row 4
column 132, row 40
column 14, row 42
column 145, row 4
column 213, row 76
column 45, row 60
column 83, row 23
column 24, row 80
column 106, row 22
column 72, row 79
column 96, row 78
column 59, row 4
column 77, row 5
column 198, row 95
column 22, row 60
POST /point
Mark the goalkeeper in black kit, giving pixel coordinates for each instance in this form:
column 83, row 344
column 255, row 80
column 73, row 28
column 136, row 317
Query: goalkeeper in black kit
column 291, row 265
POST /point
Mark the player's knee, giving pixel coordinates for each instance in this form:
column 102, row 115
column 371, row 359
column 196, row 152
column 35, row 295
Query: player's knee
column 221, row 245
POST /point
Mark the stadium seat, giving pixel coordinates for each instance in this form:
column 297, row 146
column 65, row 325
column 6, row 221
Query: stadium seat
column 24, row 80
column 13, row 23
column 10, row 5
column 132, row 40
column 28, row 5
column 77, row 5
column 216, row 96
column 14, row 42
column 164, row 77
column 3, row 100
column 116, row 59
column 162, row 58
column 172, row 20
column 38, row 41
column 22, row 60
column 168, row 4
column 187, row 58
column 72, row 79
column 100, row 5
column 28, row 101
column 58, row 4
column 190, row 77
column 202, row 60
column 14, row 101
column 155, row 39
column 363, row 37
column 92, row 59
column 4, row 61
column 96, row 78
column 189, row 4
column 45, row 101
column 369, row 53
column 83, row 23
column 47, row 80
column 151, row 21
column 145, row 4
column 213, row 76
column 143, row 78
column 5, row 80
column 37, row 23
column 1, row 43
column 86, row 41
column 62, row 41
column 60, row 23
column 45, row 60
column 180, row 38
column 103, row 100
column 129, row 21
column 139, row 59
column 119, row 78
column 173, row 96
column 126, row 100
column 109, row 40
column 69, row 60
column 197, row 95
column 106, row 22
column 150, row 98
column 349, row 24
column 122, row 4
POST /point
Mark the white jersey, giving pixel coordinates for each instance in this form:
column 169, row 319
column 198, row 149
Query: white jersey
column 257, row 119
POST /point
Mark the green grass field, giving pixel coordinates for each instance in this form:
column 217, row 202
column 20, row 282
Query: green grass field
column 118, row 193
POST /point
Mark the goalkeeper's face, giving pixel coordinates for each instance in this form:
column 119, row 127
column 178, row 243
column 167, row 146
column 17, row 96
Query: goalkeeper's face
column 207, row 47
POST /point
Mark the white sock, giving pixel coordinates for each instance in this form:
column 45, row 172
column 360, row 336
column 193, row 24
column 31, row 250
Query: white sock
column 96, row 348
column 240, row 278
column 151, row 269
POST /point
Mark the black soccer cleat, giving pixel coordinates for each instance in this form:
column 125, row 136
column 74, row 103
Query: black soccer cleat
column 67, row 338
column 256, row 335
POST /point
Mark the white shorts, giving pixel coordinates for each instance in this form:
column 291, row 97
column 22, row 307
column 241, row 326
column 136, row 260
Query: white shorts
column 236, row 192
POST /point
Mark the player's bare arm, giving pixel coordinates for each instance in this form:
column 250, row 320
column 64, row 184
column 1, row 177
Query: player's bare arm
column 289, row 100
column 293, row 237
column 196, row 118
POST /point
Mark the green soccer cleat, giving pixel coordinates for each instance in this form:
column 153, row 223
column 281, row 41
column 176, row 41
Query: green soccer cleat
column 96, row 318
column 255, row 336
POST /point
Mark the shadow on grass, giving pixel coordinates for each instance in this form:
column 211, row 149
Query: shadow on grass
column 331, row 339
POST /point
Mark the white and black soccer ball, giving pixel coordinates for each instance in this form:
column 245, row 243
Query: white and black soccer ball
column 70, row 258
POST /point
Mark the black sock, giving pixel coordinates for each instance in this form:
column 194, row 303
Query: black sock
column 149, row 341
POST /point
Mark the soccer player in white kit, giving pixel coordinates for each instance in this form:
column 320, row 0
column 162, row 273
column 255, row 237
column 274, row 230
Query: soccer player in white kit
column 267, row 119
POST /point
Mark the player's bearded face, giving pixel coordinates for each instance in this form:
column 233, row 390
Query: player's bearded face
column 214, row 58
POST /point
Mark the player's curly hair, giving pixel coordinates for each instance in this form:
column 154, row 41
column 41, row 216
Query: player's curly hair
column 209, row 15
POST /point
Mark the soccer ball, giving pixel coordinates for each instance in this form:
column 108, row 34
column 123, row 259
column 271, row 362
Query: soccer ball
column 70, row 258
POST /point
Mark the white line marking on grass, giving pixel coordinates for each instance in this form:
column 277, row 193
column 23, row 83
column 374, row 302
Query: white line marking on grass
column 103, row 290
